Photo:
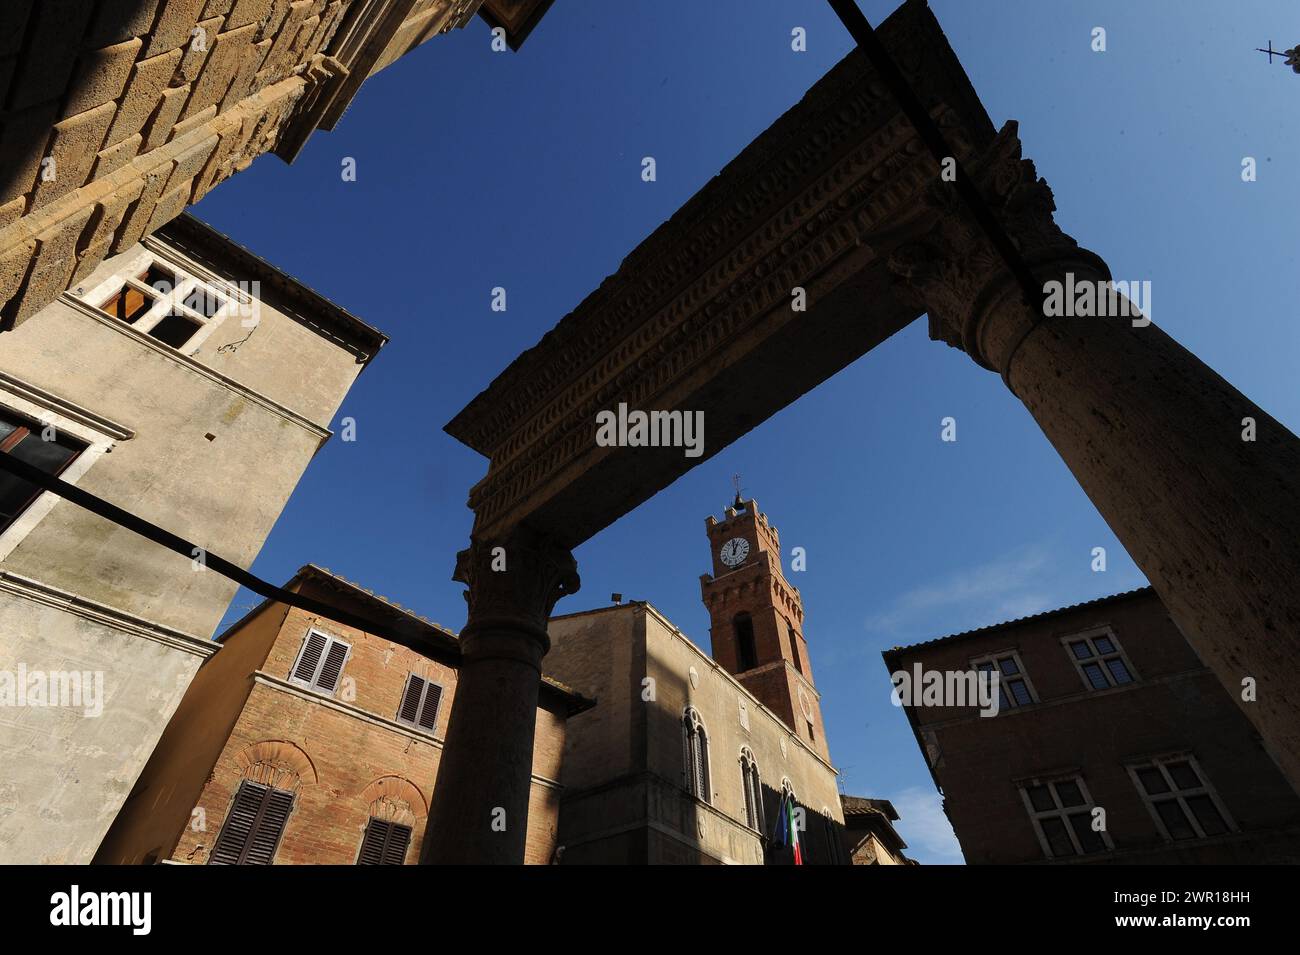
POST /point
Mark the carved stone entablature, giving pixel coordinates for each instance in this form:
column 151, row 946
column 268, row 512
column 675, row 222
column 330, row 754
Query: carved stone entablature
column 514, row 583
column 955, row 274
column 700, row 316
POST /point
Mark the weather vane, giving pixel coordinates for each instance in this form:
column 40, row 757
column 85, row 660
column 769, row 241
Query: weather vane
column 735, row 480
column 1292, row 55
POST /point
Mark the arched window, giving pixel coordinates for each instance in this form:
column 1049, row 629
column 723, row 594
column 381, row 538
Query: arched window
column 695, row 754
column 746, row 652
column 753, row 789
column 794, row 647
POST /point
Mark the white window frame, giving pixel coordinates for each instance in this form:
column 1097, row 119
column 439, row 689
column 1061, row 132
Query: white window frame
column 99, row 436
column 1098, row 658
column 236, row 301
column 1176, row 793
column 1062, row 813
column 330, row 639
column 1023, row 675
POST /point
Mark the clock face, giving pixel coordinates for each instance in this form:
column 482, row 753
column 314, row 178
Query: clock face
column 734, row 552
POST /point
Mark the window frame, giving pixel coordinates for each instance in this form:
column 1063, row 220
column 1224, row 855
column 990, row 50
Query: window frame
column 244, row 849
column 365, row 834
column 1061, row 813
column 419, row 707
column 311, row 684
column 1022, row 674
column 1177, row 794
column 749, row 767
column 132, row 274
column 693, row 725
column 98, row 435
column 1089, row 636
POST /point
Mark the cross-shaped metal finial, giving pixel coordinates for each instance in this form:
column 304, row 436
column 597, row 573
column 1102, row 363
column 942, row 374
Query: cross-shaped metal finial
column 1292, row 55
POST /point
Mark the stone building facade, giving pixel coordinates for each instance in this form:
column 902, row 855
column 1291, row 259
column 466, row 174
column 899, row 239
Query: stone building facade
column 304, row 741
column 189, row 383
column 117, row 114
column 869, row 834
column 1105, row 706
column 685, row 758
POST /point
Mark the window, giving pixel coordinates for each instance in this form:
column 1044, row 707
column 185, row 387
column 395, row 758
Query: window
column 1014, row 688
column 420, row 702
column 746, row 653
column 1098, row 658
column 794, row 647
column 320, row 662
column 752, row 786
column 25, row 440
column 695, row 755
column 1061, row 812
column 385, row 843
column 1179, row 799
column 253, row 827
column 167, row 303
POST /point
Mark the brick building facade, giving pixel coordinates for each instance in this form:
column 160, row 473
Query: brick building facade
column 306, row 741
column 1113, row 743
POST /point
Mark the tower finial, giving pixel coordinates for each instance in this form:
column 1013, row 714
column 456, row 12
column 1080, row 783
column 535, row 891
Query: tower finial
column 738, row 504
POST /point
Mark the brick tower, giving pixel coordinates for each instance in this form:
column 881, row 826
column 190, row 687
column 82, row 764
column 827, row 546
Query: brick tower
column 756, row 620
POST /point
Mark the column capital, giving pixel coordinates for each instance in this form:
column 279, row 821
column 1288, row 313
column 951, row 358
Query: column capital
column 952, row 271
column 514, row 582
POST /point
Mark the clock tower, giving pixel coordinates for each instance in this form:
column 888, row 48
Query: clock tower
column 756, row 620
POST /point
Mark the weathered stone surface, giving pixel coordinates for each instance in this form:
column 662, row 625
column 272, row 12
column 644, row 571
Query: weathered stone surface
column 159, row 130
column 222, row 65
column 169, row 206
column 278, row 59
column 194, row 122
column 15, row 262
column 175, row 25
column 74, row 146
column 217, row 8
column 196, row 53
column 120, row 20
column 102, row 227
column 101, row 76
column 55, row 261
column 23, row 138
column 115, row 157
column 248, row 11
column 241, row 86
column 190, row 162
column 11, row 212
column 49, row 51
column 137, row 218
column 143, row 92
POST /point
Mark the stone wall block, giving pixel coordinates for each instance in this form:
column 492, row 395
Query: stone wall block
column 115, row 157
column 143, row 92
column 101, row 76
column 12, row 211
column 141, row 212
column 15, row 263
column 23, row 138
column 278, row 59
column 119, row 20
column 55, row 260
column 248, row 11
column 176, row 22
column 103, row 226
column 196, row 54
column 168, row 208
column 188, row 126
column 54, row 38
column 74, row 146
column 13, row 24
column 242, row 86
column 221, row 68
column 217, row 8
column 159, row 130
column 191, row 162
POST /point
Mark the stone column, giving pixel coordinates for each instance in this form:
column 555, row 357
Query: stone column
column 1155, row 437
column 479, row 811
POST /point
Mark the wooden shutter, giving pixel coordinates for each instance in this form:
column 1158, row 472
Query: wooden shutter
column 253, row 827
column 410, row 708
column 385, row 843
column 429, row 709
column 309, row 659
column 332, row 668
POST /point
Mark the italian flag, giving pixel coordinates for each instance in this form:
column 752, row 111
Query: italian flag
column 794, row 832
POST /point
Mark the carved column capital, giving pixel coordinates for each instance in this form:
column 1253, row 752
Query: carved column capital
column 952, row 271
column 514, row 582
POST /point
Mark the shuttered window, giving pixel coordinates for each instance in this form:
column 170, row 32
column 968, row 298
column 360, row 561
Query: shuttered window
column 420, row 702
column 385, row 843
column 753, row 790
column 253, row 828
column 695, row 755
column 320, row 662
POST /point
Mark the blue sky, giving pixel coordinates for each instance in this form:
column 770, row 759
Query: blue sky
column 477, row 169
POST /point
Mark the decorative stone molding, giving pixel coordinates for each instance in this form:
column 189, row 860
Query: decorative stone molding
column 955, row 274
column 277, row 763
